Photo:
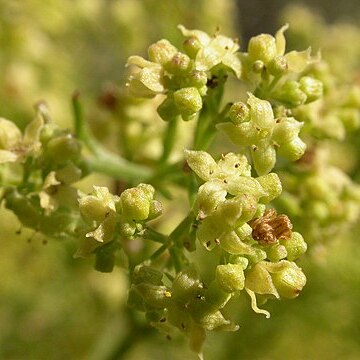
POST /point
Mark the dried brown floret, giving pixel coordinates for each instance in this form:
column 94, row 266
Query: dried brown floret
column 269, row 228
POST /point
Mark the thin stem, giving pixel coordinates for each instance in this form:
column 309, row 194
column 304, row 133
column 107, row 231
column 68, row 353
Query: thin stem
column 169, row 140
column 182, row 229
column 159, row 252
column 155, row 236
column 200, row 127
column 176, row 259
column 104, row 161
column 117, row 168
column 205, row 130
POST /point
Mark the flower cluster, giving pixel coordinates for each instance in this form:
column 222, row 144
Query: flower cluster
column 320, row 198
column 184, row 77
column 46, row 161
column 254, row 125
column 336, row 113
column 278, row 75
column 230, row 207
column 258, row 249
column 110, row 219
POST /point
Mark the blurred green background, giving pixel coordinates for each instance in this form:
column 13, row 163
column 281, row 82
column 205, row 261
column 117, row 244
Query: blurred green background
column 55, row 307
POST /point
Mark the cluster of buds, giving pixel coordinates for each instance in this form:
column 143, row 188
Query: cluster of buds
column 260, row 245
column 278, row 75
column 184, row 77
column 185, row 303
column 336, row 113
column 44, row 162
column 253, row 124
column 320, row 198
column 110, row 219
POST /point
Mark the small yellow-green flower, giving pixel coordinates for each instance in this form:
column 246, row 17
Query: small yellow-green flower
column 214, row 50
column 15, row 146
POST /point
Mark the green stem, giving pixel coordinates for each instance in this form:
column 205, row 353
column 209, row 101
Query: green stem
column 274, row 81
column 200, row 127
column 104, row 161
column 117, row 168
column 155, row 236
column 169, row 140
column 182, row 229
column 159, row 251
column 205, row 128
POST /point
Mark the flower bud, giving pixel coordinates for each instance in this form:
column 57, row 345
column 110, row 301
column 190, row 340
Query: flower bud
column 148, row 190
column 249, row 207
column 313, row 88
column 162, row 52
column 243, row 231
column 257, row 255
column 155, row 296
column 261, row 112
column 188, row 101
column 228, row 213
column 293, row 150
column 135, row 204
column 127, row 229
column 186, row 285
column 272, row 186
column 262, row 47
column 264, row 159
column 96, row 206
column 244, row 185
column 278, row 66
column 276, row 253
column 230, row 277
column 191, row 46
column 289, row 280
column 239, row 112
column 68, row 174
column 244, row 134
column 210, row 195
column 201, row 163
column 240, row 260
column 63, row 148
column 179, row 64
column 216, row 297
column 197, row 79
column 167, row 110
column 295, row 246
column 291, row 94
column 286, row 130
column 147, row 274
